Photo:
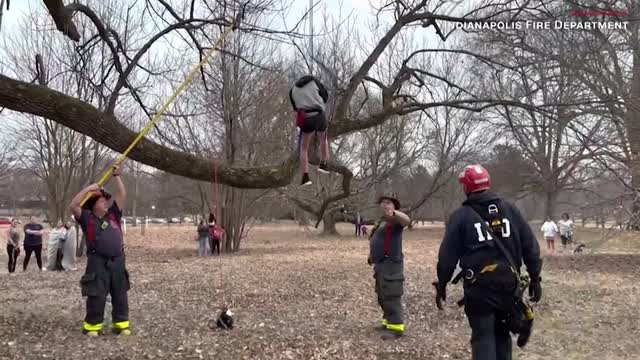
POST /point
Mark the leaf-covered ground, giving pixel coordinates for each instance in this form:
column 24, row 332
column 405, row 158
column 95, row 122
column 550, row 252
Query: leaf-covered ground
column 298, row 296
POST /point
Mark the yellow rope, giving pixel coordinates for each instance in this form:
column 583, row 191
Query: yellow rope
column 164, row 108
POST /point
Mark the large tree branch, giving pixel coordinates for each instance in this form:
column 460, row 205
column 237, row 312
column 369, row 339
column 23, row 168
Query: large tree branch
column 105, row 129
column 63, row 18
column 475, row 105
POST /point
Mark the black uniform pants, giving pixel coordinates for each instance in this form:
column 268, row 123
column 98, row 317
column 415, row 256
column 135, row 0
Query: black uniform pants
column 12, row 252
column 389, row 277
column 105, row 276
column 490, row 337
column 36, row 249
column 215, row 245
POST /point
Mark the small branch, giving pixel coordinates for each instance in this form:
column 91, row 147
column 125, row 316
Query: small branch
column 432, row 21
column 41, row 76
column 122, row 80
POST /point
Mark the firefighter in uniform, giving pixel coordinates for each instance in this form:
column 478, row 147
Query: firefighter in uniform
column 106, row 271
column 491, row 283
column 385, row 254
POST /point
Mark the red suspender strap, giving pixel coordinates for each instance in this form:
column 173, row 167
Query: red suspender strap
column 113, row 218
column 300, row 118
column 91, row 230
column 387, row 239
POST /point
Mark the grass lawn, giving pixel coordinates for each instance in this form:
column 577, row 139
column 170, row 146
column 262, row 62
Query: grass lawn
column 299, row 296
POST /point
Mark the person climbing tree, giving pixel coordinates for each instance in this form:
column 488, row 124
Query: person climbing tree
column 308, row 98
column 385, row 254
column 106, row 271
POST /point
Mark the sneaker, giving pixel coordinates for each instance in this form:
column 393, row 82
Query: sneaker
column 92, row 333
column 305, row 180
column 390, row 334
column 323, row 167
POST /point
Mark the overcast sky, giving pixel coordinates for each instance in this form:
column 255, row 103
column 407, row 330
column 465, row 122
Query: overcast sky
column 361, row 10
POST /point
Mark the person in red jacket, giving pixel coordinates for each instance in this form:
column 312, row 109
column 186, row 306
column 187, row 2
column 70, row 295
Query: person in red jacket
column 216, row 232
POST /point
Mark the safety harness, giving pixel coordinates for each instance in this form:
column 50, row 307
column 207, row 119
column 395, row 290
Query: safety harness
column 91, row 229
column 520, row 314
column 387, row 236
column 387, row 240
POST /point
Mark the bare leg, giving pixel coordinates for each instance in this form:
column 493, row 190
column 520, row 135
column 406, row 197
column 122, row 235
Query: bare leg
column 324, row 146
column 304, row 152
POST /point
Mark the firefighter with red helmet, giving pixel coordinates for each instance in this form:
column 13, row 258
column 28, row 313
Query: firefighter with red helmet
column 106, row 271
column 486, row 236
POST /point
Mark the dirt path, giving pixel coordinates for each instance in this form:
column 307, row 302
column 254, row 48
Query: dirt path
column 301, row 297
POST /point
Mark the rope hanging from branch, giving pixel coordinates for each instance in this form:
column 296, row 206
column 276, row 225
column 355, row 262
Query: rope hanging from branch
column 183, row 86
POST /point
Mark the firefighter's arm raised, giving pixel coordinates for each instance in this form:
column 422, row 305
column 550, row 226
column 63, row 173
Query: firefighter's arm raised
column 75, row 208
column 398, row 217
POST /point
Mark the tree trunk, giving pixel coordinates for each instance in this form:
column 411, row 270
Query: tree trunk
column 81, row 242
column 329, row 224
column 632, row 127
column 550, row 201
column 302, row 218
column 134, row 200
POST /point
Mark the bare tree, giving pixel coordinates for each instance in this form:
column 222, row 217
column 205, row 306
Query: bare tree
column 605, row 63
column 62, row 158
column 24, row 97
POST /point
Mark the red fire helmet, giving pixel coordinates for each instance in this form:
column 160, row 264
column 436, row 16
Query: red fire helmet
column 475, row 178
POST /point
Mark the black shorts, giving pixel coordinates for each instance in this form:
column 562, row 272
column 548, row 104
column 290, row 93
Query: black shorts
column 565, row 239
column 314, row 122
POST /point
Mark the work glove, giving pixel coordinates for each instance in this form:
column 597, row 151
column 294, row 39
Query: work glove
column 441, row 294
column 535, row 290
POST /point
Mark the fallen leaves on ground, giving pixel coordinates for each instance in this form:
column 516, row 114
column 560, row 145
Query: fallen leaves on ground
column 298, row 296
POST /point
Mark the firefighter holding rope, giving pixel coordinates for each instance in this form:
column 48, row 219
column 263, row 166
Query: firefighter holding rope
column 106, row 271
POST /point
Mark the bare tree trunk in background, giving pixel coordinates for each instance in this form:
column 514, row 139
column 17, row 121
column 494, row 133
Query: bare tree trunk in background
column 135, row 174
column 301, row 217
column 233, row 212
column 632, row 125
column 1, row 10
column 329, row 223
column 203, row 202
column 550, row 201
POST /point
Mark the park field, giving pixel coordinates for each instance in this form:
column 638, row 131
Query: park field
column 296, row 295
